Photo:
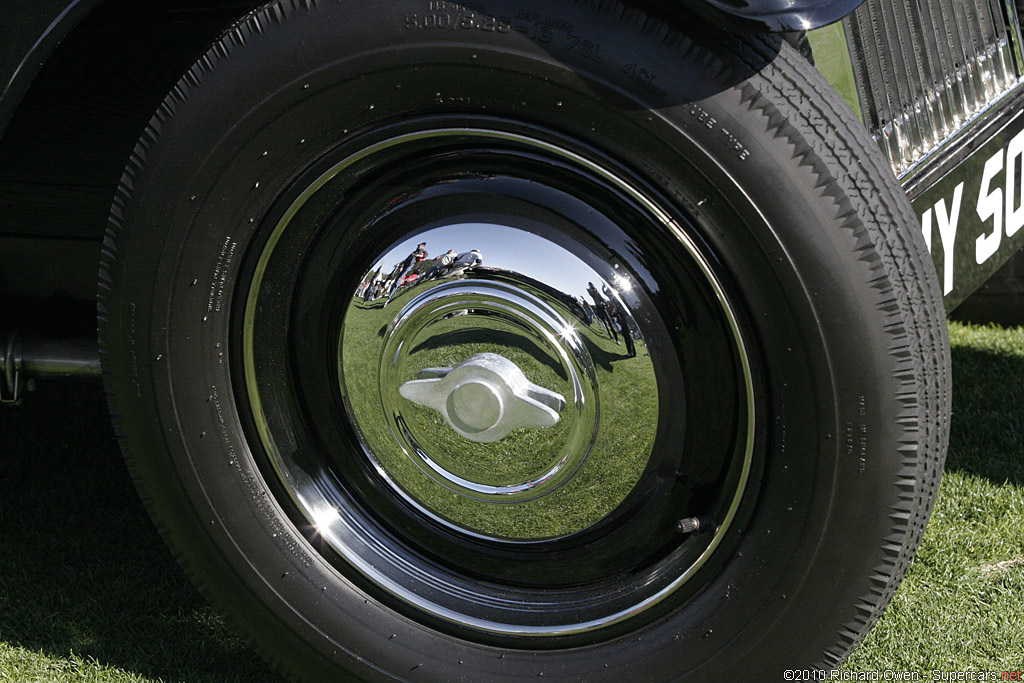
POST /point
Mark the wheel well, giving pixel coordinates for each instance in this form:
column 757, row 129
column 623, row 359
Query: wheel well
column 65, row 148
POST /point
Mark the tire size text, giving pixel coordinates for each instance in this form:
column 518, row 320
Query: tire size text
column 467, row 21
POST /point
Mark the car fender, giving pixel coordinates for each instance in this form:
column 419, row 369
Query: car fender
column 772, row 15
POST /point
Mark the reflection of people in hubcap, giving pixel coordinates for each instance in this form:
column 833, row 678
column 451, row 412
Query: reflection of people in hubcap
column 601, row 310
column 412, row 259
column 618, row 317
column 441, row 264
column 466, row 260
column 609, row 311
column 373, row 284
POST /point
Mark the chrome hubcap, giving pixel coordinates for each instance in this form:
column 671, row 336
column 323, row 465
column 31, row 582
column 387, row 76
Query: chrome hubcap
column 502, row 436
column 517, row 323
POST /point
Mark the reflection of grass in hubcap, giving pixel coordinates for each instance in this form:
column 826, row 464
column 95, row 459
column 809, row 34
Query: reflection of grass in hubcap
column 626, row 430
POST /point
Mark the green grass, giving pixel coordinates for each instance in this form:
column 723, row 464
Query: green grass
column 832, row 59
column 89, row 593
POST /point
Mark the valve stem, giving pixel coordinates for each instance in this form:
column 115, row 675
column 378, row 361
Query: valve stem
column 690, row 524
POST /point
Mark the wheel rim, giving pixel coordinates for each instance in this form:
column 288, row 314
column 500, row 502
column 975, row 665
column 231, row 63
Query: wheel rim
column 463, row 447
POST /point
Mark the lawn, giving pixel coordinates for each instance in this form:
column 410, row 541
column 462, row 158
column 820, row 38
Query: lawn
column 89, row 593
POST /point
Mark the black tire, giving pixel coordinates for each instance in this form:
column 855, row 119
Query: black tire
column 788, row 307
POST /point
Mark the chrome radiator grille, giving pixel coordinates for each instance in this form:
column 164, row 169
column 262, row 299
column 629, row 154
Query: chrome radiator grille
column 926, row 68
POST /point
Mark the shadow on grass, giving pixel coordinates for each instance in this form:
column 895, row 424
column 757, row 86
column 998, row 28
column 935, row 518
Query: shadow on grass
column 987, row 428
column 82, row 569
